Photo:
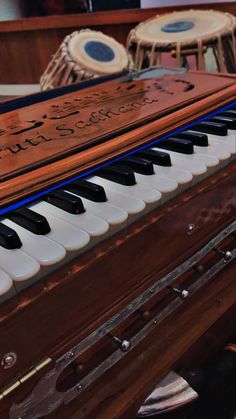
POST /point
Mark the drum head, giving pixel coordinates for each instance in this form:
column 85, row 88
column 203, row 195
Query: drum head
column 97, row 52
column 184, row 26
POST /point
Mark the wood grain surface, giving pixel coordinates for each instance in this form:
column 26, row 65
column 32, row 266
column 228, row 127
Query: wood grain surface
column 119, row 393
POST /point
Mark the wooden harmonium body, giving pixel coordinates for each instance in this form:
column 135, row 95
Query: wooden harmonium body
column 131, row 183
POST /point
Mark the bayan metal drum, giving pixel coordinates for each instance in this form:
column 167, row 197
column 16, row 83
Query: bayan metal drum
column 185, row 33
column 84, row 55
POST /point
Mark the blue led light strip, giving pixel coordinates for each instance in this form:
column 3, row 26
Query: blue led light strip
column 38, row 195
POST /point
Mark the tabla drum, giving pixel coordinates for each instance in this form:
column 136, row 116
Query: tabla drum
column 183, row 34
column 84, row 55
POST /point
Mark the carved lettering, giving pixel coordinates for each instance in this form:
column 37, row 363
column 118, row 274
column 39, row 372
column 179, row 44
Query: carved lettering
column 32, row 142
column 44, row 138
column 108, row 114
column 65, row 131
column 80, row 125
column 122, row 101
column 36, row 124
column 16, row 148
column 95, row 118
column 123, row 109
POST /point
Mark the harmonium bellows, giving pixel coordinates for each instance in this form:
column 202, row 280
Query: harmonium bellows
column 117, row 238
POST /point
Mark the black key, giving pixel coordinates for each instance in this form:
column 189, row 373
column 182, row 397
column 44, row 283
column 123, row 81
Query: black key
column 159, row 158
column 139, row 165
column 118, row 173
column 177, row 144
column 67, row 202
column 88, row 190
column 30, row 220
column 197, row 138
column 227, row 120
column 214, row 128
column 9, row 238
column 230, row 112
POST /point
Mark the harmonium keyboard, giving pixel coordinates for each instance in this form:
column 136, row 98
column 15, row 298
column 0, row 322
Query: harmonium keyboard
column 117, row 238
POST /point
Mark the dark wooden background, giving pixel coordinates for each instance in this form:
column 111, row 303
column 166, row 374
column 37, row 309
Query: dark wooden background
column 26, row 45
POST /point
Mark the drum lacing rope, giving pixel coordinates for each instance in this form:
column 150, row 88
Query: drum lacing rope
column 234, row 42
column 152, row 52
column 51, row 69
column 220, row 53
column 158, row 58
column 178, row 54
column 129, row 39
column 201, row 62
column 137, row 55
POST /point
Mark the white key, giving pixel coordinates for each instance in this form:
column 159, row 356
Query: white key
column 148, row 195
column 209, row 161
column 128, row 203
column 93, row 225
column 69, row 236
column 228, row 142
column 162, row 184
column 194, row 165
column 215, row 148
column 7, row 289
column 112, row 215
column 182, row 177
column 18, row 265
column 167, row 187
column 46, row 251
column 219, row 153
column 222, row 147
column 231, row 138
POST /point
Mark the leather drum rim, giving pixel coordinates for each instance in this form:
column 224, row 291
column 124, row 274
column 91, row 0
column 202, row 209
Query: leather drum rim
column 142, row 32
column 77, row 52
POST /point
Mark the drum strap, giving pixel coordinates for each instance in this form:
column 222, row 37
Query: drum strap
column 152, row 54
column 158, row 58
column 140, row 61
column 201, row 61
column 137, row 54
column 234, row 43
column 220, row 53
column 178, row 54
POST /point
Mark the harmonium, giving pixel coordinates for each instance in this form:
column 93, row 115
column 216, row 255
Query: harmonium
column 117, row 239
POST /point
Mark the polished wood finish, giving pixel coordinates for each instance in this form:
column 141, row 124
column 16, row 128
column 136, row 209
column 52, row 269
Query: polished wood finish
column 119, row 393
column 49, row 326
column 32, row 137
column 28, row 44
column 53, row 315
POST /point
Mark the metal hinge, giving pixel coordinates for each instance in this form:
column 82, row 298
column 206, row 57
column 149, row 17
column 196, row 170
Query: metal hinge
column 6, row 391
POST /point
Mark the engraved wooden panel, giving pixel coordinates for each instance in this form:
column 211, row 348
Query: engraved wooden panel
column 42, row 133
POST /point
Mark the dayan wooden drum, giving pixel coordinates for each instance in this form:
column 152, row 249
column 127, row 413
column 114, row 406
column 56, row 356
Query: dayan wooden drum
column 84, row 55
column 185, row 33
